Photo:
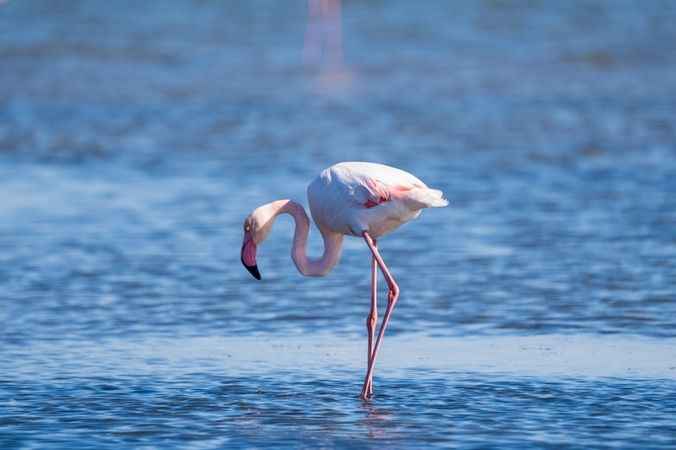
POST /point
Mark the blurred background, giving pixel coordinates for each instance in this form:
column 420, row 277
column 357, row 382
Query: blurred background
column 135, row 137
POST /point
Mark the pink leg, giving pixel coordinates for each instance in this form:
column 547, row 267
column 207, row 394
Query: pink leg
column 392, row 297
column 372, row 318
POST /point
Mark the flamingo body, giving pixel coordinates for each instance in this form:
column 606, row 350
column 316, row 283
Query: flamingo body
column 352, row 197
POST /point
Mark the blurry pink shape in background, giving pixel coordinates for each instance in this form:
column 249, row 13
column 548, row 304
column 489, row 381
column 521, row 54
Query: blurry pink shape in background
column 323, row 48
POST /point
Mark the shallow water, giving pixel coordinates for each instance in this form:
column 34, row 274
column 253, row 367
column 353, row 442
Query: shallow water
column 290, row 411
column 289, row 392
column 135, row 139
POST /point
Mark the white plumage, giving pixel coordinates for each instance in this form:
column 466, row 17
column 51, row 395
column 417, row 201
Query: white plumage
column 339, row 196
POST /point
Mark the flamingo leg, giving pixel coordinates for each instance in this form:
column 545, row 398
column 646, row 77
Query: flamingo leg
column 372, row 318
column 392, row 297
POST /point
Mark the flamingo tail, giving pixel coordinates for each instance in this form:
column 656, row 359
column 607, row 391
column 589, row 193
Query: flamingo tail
column 418, row 198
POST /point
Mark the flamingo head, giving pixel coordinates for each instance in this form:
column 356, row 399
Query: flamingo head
column 257, row 226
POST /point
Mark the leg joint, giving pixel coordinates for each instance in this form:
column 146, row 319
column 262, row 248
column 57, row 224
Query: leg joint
column 371, row 321
column 393, row 295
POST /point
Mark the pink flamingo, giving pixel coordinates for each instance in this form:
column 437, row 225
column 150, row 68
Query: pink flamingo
column 360, row 199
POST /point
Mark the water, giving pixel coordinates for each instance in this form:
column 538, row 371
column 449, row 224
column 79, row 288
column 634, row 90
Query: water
column 537, row 310
column 288, row 392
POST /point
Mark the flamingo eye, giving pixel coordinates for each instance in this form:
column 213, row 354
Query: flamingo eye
column 247, row 228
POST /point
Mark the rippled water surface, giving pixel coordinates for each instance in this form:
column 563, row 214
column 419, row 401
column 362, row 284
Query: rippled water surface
column 134, row 139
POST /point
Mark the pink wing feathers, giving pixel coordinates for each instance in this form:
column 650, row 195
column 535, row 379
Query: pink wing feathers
column 368, row 184
column 377, row 193
column 371, row 192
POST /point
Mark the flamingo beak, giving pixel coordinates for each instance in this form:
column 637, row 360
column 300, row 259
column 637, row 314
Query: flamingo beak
column 249, row 256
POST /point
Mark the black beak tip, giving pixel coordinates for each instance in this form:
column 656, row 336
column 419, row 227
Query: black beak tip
column 253, row 270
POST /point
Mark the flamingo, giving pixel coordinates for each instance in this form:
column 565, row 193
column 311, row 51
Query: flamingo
column 361, row 199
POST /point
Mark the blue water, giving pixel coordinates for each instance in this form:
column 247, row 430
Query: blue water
column 134, row 139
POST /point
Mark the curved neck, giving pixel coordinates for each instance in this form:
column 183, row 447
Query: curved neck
column 332, row 242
